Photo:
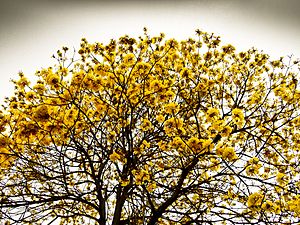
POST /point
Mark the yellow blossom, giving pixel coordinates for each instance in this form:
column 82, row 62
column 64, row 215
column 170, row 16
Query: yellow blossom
column 212, row 114
column 226, row 153
column 255, row 201
column 160, row 118
column 145, row 125
column 185, row 73
column 171, row 108
column 238, row 116
column 282, row 178
column 268, row 206
column 5, row 157
column 53, row 79
column 294, row 205
column 226, row 131
column 114, row 156
column 41, row 113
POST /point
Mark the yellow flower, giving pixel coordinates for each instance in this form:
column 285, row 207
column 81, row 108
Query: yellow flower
column 294, row 205
column 199, row 145
column 171, row 108
column 14, row 105
column 267, row 206
column 178, row 143
column 212, row 114
column 221, row 78
column 169, row 94
column 4, row 141
column 237, row 113
column 172, row 125
column 229, row 154
column 163, row 146
column 226, row 131
column 146, row 144
column 151, row 187
column 30, row 95
column 162, row 97
column 254, row 99
column 142, row 67
column 228, row 49
column 64, row 71
column 141, row 176
column 255, row 201
column 156, row 85
column 238, row 116
column 207, row 143
column 210, row 83
column 53, row 79
column 253, row 166
column 282, row 178
column 23, row 82
column 202, row 87
column 39, row 88
column 70, row 116
column 5, row 158
column 193, row 142
column 185, row 73
column 114, row 156
column 160, row 118
column 226, row 153
column 276, row 63
column 215, row 164
column 89, row 80
column 212, row 132
column 129, row 59
column 217, row 125
column 208, row 56
column 124, row 182
column 146, row 125
column 254, row 160
column 252, row 169
column 41, row 113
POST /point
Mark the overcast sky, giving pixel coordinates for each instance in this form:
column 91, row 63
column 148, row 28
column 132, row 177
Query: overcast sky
column 32, row 30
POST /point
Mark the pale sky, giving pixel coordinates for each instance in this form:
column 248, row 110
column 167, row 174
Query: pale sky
column 32, row 30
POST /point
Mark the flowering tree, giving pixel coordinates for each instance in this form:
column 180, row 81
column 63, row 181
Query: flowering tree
column 153, row 131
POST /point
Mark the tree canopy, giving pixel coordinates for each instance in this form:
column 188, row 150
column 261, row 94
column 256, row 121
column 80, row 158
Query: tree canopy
column 153, row 131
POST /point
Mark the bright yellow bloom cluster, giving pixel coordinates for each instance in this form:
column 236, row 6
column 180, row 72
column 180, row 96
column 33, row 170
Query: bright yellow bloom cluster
column 173, row 126
column 6, row 157
column 199, row 145
column 115, row 156
column 226, row 131
column 253, row 166
column 294, row 205
column 41, row 113
column 141, row 176
column 178, row 143
column 226, row 153
column 212, row 114
column 171, row 108
column 282, row 178
column 146, row 125
column 255, row 201
column 238, row 117
column 268, row 206
column 160, row 118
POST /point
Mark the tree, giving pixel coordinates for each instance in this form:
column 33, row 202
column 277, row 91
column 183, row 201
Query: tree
column 153, row 131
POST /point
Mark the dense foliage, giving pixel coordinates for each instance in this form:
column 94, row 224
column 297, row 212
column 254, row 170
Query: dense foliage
column 153, row 131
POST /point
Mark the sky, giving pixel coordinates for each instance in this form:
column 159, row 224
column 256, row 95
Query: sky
column 32, row 30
